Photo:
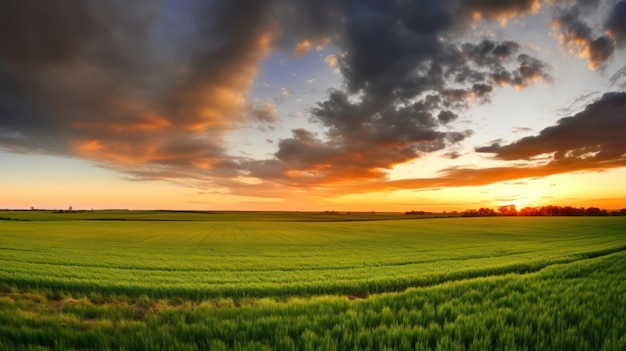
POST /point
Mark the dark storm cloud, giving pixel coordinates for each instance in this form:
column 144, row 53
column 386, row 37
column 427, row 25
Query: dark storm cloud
column 591, row 140
column 142, row 83
column 616, row 23
column 619, row 78
column 577, row 34
column 489, row 53
column 358, row 144
column 595, row 135
column 574, row 19
column 48, row 58
column 446, row 116
column 400, row 95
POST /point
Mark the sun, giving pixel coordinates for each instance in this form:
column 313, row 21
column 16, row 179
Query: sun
column 521, row 203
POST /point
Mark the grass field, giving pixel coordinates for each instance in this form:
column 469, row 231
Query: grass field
column 176, row 280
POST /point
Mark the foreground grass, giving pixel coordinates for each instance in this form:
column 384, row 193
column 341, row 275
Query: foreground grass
column 574, row 306
column 296, row 283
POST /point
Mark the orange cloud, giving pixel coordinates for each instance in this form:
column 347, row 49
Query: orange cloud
column 577, row 37
column 502, row 11
column 128, row 154
column 186, row 129
column 589, row 141
column 302, row 48
column 144, row 123
column 331, row 60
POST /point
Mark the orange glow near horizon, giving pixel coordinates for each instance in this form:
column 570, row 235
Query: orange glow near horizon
column 92, row 187
column 89, row 187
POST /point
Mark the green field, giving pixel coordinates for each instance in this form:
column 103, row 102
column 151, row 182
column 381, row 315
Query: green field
column 236, row 280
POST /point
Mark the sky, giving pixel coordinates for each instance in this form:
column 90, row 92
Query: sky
column 312, row 105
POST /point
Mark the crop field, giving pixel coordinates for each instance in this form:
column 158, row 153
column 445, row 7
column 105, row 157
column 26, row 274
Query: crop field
column 304, row 281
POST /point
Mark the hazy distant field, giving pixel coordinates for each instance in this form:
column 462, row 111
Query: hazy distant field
column 302, row 281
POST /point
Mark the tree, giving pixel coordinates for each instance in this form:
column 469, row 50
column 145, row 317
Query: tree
column 508, row 210
column 593, row 211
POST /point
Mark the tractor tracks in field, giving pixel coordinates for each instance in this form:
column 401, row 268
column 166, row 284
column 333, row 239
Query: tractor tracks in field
column 519, row 269
column 353, row 290
column 136, row 299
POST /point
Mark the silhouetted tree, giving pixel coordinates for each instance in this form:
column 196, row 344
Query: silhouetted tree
column 470, row 213
column 593, row 211
column 549, row 210
column 483, row 211
column 508, row 210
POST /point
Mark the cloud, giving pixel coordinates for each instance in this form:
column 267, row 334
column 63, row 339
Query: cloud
column 522, row 130
column 302, row 48
column 265, row 113
column 616, row 23
column 501, row 11
column 452, row 155
column 591, row 140
column 369, row 134
column 166, row 92
column 618, row 76
column 285, row 92
column 579, row 36
column 152, row 89
column 446, row 116
column 331, row 60
column 127, row 84
column 593, row 135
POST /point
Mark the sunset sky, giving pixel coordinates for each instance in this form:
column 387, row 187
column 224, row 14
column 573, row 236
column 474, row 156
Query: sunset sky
column 312, row 105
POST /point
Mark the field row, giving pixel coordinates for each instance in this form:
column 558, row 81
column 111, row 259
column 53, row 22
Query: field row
column 209, row 259
column 563, row 307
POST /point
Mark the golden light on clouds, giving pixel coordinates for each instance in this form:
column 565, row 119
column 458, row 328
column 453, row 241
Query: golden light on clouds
column 117, row 152
column 150, row 122
column 302, row 48
column 503, row 15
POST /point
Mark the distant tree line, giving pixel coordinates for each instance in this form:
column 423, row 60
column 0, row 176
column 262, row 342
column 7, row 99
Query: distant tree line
column 550, row 210
column 416, row 213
